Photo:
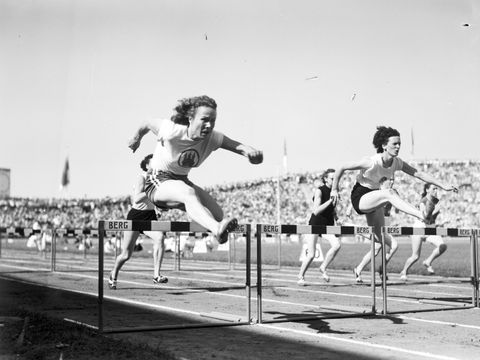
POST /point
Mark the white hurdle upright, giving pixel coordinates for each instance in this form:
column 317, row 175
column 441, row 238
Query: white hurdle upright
column 309, row 229
column 476, row 267
column 426, row 231
column 167, row 226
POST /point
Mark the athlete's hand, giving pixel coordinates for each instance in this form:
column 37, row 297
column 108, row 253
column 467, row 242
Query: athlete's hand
column 255, row 156
column 134, row 144
column 334, row 197
column 451, row 188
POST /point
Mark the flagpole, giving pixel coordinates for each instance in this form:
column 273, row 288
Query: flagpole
column 279, row 220
column 413, row 142
column 285, row 162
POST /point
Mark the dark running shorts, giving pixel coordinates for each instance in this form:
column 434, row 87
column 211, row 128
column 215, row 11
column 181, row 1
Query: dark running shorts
column 357, row 192
column 142, row 215
column 155, row 179
column 319, row 220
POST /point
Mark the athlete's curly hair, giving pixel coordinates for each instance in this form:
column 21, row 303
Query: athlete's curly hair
column 381, row 137
column 325, row 174
column 145, row 161
column 187, row 107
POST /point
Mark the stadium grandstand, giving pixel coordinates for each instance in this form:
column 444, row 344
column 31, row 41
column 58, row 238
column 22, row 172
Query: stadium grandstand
column 257, row 199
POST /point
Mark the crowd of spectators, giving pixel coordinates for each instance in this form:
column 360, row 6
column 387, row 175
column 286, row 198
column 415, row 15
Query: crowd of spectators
column 257, row 201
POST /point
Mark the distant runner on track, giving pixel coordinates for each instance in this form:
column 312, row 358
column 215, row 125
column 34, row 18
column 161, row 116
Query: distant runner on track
column 428, row 208
column 142, row 209
column 323, row 213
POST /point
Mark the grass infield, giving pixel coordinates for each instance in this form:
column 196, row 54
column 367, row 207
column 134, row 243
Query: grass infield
column 455, row 262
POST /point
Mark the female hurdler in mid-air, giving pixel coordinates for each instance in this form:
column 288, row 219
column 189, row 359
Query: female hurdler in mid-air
column 367, row 197
column 183, row 142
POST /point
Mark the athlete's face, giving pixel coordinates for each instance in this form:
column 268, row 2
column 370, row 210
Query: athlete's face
column 202, row 122
column 393, row 146
column 329, row 179
column 432, row 190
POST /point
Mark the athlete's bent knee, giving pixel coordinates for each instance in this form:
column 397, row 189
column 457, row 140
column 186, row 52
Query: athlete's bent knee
column 442, row 248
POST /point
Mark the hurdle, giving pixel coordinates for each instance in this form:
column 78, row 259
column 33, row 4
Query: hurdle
column 426, row 231
column 318, row 230
column 62, row 232
column 167, row 226
column 476, row 267
column 25, row 232
column 69, row 233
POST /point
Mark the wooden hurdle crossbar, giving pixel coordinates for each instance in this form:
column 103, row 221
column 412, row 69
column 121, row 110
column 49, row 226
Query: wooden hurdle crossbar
column 427, row 231
column 309, row 229
column 169, row 226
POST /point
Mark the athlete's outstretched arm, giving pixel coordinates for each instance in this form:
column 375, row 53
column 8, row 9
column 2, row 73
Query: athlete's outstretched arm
column 410, row 170
column 142, row 130
column 364, row 163
column 254, row 156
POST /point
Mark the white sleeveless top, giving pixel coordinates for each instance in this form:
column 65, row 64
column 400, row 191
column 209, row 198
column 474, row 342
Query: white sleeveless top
column 371, row 177
column 177, row 153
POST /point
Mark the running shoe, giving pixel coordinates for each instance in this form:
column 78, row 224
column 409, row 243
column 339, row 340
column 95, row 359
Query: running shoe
column 429, row 268
column 324, row 274
column 226, row 226
column 112, row 283
column 301, row 281
column 358, row 278
column 403, row 276
column 160, row 279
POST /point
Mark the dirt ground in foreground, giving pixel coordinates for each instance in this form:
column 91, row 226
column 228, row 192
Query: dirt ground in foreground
column 310, row 339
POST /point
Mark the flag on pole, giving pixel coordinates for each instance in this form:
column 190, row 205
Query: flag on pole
column 285, row 164
column 65, row 175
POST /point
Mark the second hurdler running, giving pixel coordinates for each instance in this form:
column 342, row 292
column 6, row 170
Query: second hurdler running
column 367, row 197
